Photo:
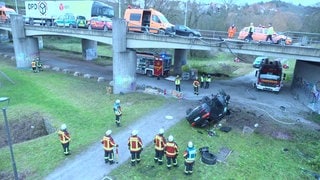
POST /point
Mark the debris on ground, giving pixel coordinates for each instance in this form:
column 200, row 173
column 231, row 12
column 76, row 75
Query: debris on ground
column 223, row 154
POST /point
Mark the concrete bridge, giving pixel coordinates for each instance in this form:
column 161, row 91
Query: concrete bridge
column 26, row 46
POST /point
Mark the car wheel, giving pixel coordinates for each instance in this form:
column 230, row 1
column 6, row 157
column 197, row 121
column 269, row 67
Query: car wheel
column 89, row 27
column 208, row 158
column 190, row 35
column 162, row 32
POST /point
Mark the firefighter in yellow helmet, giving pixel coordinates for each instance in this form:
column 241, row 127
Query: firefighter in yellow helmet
column 171, row 150
column 135, row 147
column 108, row 145
column 159, row 143
column 65, row 139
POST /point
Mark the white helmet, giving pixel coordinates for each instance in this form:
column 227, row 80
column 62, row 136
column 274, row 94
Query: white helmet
column 118, row 101
column 170, row 138
column 190, row 144
column 108, row 132
column 134, row 133
column 63, row 127
column 161, row 131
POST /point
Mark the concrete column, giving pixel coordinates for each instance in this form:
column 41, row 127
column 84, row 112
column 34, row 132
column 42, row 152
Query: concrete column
column 89, row 49
column 4, row 35
column 180, row 59
column 124, row 75
column 26, row 48
column 124, row 60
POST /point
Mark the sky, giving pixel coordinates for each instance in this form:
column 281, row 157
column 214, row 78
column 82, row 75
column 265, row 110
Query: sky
column 242, row 2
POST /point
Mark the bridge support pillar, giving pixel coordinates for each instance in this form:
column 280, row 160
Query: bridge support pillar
column 26, row 48
column 89, row 49
column 4, row 35
column 124, row 60
column 180, row 58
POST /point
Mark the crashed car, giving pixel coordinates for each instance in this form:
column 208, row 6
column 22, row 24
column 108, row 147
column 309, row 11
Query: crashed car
column 210, row 111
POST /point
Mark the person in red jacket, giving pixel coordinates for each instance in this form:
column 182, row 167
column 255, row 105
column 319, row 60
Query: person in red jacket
column 159, row 143
column 171, row 150
column 65, row 139
column 108, row 145
column 135, row 147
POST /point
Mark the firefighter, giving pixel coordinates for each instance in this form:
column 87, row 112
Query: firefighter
column 202, row 81
column 117, row 111
column 65, row 139
column 231, row 31
column 108, row 145
column 208, row 81
column 190, row 157
column 135, row 147
column 39, row 65
column 171, row 150
column 196, row 85
column 270, row 32
column 34, row 66
column 159, row 143
column 177, row 83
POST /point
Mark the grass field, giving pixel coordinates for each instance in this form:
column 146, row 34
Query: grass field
column 80, row 103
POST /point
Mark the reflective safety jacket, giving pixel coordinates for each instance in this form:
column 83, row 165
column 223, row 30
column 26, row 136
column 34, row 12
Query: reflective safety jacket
column 117, row 109
column 108, row 143
column 208, row 79
column 270, row 30
column 134, row 143
column 171, row 149
column 64, row 136
column 201, row 79
column 159, row 142
column 33, row 64
column 190, row 154
column 177, row 81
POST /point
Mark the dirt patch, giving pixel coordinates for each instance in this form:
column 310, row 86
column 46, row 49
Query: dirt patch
column 25, row 129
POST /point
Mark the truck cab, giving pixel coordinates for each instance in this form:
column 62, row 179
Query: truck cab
column 153, row 64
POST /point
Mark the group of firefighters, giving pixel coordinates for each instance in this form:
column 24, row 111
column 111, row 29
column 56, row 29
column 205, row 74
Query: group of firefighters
column 163, row 147
column 204, row 82
column 36, row 65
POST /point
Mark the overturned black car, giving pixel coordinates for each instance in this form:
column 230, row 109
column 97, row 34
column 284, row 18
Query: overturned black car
column 210, row 111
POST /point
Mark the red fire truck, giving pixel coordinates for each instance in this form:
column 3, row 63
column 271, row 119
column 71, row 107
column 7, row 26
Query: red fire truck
column 153, row 64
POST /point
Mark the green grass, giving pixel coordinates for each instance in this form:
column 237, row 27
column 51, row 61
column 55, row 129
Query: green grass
column 253, row 157
column 72, row 47
column 80, row 103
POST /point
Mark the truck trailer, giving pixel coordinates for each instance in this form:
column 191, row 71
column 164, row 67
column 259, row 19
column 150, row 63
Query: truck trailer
column 45, row 12
column 153, row 64
column 269, row 76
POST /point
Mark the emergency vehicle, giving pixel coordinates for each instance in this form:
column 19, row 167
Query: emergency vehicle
column 45, row 12
column 153, row 64
column 149, row 20
column 269, row 76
